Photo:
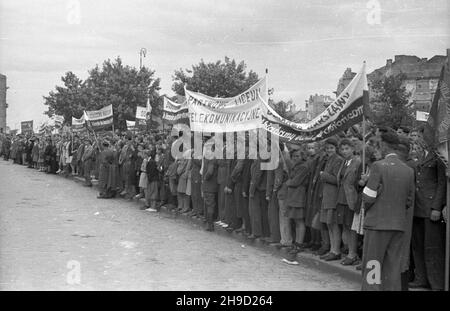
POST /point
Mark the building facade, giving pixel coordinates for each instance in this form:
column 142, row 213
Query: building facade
column 3, row 104
column 421, row 78
column 344, row 81
column 316, row 104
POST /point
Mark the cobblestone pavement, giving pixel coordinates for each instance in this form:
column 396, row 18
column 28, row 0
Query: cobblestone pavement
column 49, row 224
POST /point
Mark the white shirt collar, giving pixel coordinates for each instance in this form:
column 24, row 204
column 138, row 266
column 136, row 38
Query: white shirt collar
column 391, row 154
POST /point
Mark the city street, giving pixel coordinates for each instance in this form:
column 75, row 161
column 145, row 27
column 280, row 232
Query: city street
column 50, row 224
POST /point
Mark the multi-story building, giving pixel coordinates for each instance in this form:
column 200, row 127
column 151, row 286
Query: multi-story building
column 316, row 104
column 344, row 81
column 3, row 104
column 421, row 77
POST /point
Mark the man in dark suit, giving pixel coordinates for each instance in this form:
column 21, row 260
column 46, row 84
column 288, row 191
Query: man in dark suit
column 106, row 158
column 87, row 160
column 428, row 239
column 209, row 189
column 241, row 174
column 387, row 195
column 257, row 201
column 29, row 150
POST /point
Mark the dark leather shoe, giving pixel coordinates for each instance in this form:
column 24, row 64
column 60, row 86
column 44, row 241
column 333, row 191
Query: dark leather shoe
column 315, row 247
column 308, row 245
column 417, row 284
column 350, row 261
column 332, row 257
column 322, row 251
column 324, row 255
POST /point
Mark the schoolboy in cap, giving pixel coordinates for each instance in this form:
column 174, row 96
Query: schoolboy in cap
column 348, row 199
column 329, row 198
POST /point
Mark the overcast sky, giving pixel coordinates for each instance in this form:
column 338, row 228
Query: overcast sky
column 305, row 44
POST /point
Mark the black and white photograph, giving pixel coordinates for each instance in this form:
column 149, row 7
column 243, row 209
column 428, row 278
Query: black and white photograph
column 205, row 147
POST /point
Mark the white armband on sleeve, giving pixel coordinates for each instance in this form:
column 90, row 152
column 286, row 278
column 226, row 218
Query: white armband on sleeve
column 369, row 192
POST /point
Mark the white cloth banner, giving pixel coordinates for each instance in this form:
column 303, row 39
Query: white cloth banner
column 250, row 110
column 104, row 113
column 78, row 122
column 141, row 113
column 353, row 92
column 422, row 116
column 231, row 119
column 131, row 125
column 173, row 107
column 58, row 120
column 251, row 95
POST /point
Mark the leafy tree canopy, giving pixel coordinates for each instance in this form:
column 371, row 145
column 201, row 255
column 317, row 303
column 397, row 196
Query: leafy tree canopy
column 123, row 86
column 216, row 79
column 389, row 102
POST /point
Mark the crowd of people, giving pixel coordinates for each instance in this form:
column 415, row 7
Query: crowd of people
column 387, row 209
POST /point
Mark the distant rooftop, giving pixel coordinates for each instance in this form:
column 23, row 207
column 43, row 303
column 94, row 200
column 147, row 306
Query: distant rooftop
column 412, row 66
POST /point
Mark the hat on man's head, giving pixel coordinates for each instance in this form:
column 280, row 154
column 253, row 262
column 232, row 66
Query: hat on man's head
column 390, row 137
column 405, row 129
column 105, row 143
column 331, row 141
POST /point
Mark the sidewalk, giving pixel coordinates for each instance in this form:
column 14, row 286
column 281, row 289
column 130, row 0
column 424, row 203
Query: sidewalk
column 306, row 258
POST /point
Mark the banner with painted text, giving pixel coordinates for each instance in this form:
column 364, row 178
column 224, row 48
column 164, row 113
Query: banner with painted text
column 354, row 92
column 252, row 94
column 78, row 125
column 58, row 121
column 131, row 125
column 141, row 113
column 175, row 113
column 345, row 118
column 100, row 119
column 26, row 127
column 347, row 110
column 230, row 119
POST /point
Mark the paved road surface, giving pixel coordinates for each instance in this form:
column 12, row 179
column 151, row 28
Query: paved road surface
column 49, row 224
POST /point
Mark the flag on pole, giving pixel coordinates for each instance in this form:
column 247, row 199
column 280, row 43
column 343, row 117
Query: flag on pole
column 58, row 121
column 148, row 108
column 436, row 132
column 78, row 124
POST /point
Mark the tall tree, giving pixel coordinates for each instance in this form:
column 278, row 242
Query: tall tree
column 67, row 100
column 124, row 87
column 389, row 102
column 114, row 83
column 283, row 108
column 217, row 79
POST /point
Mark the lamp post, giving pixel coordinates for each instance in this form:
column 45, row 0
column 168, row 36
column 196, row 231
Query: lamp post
column 142, row 53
